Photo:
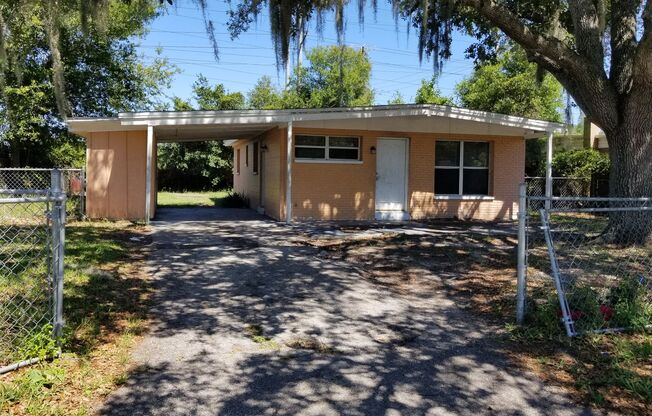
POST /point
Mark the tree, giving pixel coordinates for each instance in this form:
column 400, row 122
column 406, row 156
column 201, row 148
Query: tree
column 335, row 76
column 102, row 71
column 510, row 86
column 264, row 95
column 205, row 165
column 599, row 50
column 428, row 93
column 397, row 98
column 216, row 97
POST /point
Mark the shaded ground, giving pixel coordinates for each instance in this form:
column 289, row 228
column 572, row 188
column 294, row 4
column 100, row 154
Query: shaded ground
column 252, row 317
column 105, row 306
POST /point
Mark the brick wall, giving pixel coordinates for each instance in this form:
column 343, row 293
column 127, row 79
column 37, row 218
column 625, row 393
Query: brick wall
column 347, row 191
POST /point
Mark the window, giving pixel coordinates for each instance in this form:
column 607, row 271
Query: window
column 327, row 147
column 247, row 155
column 461, row 168
column 237, row 161
column 255, row 157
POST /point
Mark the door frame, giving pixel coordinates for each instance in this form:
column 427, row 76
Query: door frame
column 407, row 174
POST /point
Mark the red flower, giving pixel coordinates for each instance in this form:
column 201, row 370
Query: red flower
column 607, row 312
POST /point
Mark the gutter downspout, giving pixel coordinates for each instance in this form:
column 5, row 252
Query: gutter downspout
column 148, row 173
column 288, row 180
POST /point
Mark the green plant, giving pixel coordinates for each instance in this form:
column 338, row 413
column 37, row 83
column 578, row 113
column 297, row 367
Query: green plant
column 40, row 345
column 235, row 200
column 582, row 163
column 631, row 306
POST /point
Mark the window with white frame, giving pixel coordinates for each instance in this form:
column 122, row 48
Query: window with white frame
column 461, row 168
column 335, row 148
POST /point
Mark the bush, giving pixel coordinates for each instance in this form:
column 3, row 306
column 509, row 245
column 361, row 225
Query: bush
column 581, row 163
column 235, row 200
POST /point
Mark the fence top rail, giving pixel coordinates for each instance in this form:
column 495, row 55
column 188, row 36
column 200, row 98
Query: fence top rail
column 34, row 199
column 25, row 191
column 558, row 177
column 589, row 199
column 611, row 209
column 41, row 169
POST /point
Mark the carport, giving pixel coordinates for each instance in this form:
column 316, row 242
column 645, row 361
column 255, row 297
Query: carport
column 121, row 153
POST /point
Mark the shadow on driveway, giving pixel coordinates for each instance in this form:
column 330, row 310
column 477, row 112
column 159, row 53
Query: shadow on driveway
column 383, row 353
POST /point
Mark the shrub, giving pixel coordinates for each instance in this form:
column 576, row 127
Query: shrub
column 235, row 200
column 583, row 163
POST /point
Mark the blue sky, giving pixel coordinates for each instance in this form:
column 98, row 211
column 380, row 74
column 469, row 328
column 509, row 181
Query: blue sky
column 395, row 64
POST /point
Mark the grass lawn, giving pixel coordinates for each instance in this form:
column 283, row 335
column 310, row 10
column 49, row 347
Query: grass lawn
column 190, row 199
column 105, row 310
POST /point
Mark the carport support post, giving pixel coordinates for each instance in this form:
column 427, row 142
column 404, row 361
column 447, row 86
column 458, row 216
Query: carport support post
column 521, row 263
column 549, row 171
column 288, row 179
column 148, row 173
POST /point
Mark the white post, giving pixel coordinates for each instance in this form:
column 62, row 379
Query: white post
column 58, row 218
column 288, row 179
column 148, row 173
column 521, row 282
column 549, row 171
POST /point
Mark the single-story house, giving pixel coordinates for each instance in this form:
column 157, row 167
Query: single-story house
column 393, row 162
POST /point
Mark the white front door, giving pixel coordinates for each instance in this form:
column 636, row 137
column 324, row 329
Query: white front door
column 391, row 175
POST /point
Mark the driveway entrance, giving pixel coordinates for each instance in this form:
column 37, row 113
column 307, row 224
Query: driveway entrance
column 248, row 321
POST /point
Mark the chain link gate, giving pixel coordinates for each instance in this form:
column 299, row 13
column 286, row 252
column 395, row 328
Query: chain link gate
column 586, row 260
column 32, row 235
column 73, row 184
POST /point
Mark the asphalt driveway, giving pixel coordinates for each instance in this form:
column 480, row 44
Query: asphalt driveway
column 249, row 322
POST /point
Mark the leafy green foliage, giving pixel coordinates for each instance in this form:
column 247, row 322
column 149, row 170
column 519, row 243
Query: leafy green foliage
column 215, row 97
column 582, row 163
column 397, row 98
column 196, row 166
column 264, row 96
column 102, row 70
column 334, row 77
column 39, row 345
column 199, row 166
column 234, row 200
column 429, row 93
column 510, row 86
column 535, row 157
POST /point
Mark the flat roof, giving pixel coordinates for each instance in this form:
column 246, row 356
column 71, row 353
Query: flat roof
column 241, row 123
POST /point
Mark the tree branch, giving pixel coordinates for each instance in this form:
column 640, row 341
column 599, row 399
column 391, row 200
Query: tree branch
column 623, row 44
column 587, row 31
column 642, row 70
column 579, row 74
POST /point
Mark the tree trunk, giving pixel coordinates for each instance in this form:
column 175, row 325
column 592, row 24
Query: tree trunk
column 630, row 151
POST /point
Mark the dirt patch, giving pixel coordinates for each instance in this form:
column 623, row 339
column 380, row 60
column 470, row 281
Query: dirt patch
column 477, row 270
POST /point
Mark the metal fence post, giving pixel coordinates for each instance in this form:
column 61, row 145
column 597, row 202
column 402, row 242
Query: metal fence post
column 521, row 271
column 58, row 217
column 82, row 202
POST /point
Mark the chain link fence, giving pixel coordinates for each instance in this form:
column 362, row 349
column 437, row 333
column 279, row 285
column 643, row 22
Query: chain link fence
column 31, row 270
column 568, row 186
column 74, row 185
column 585, row 263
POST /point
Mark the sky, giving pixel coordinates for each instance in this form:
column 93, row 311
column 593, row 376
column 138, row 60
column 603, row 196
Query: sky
column 393, row 52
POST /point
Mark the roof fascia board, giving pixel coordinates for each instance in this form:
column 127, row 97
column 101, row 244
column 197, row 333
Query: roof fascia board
column 89, row 125
column 494, row 118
